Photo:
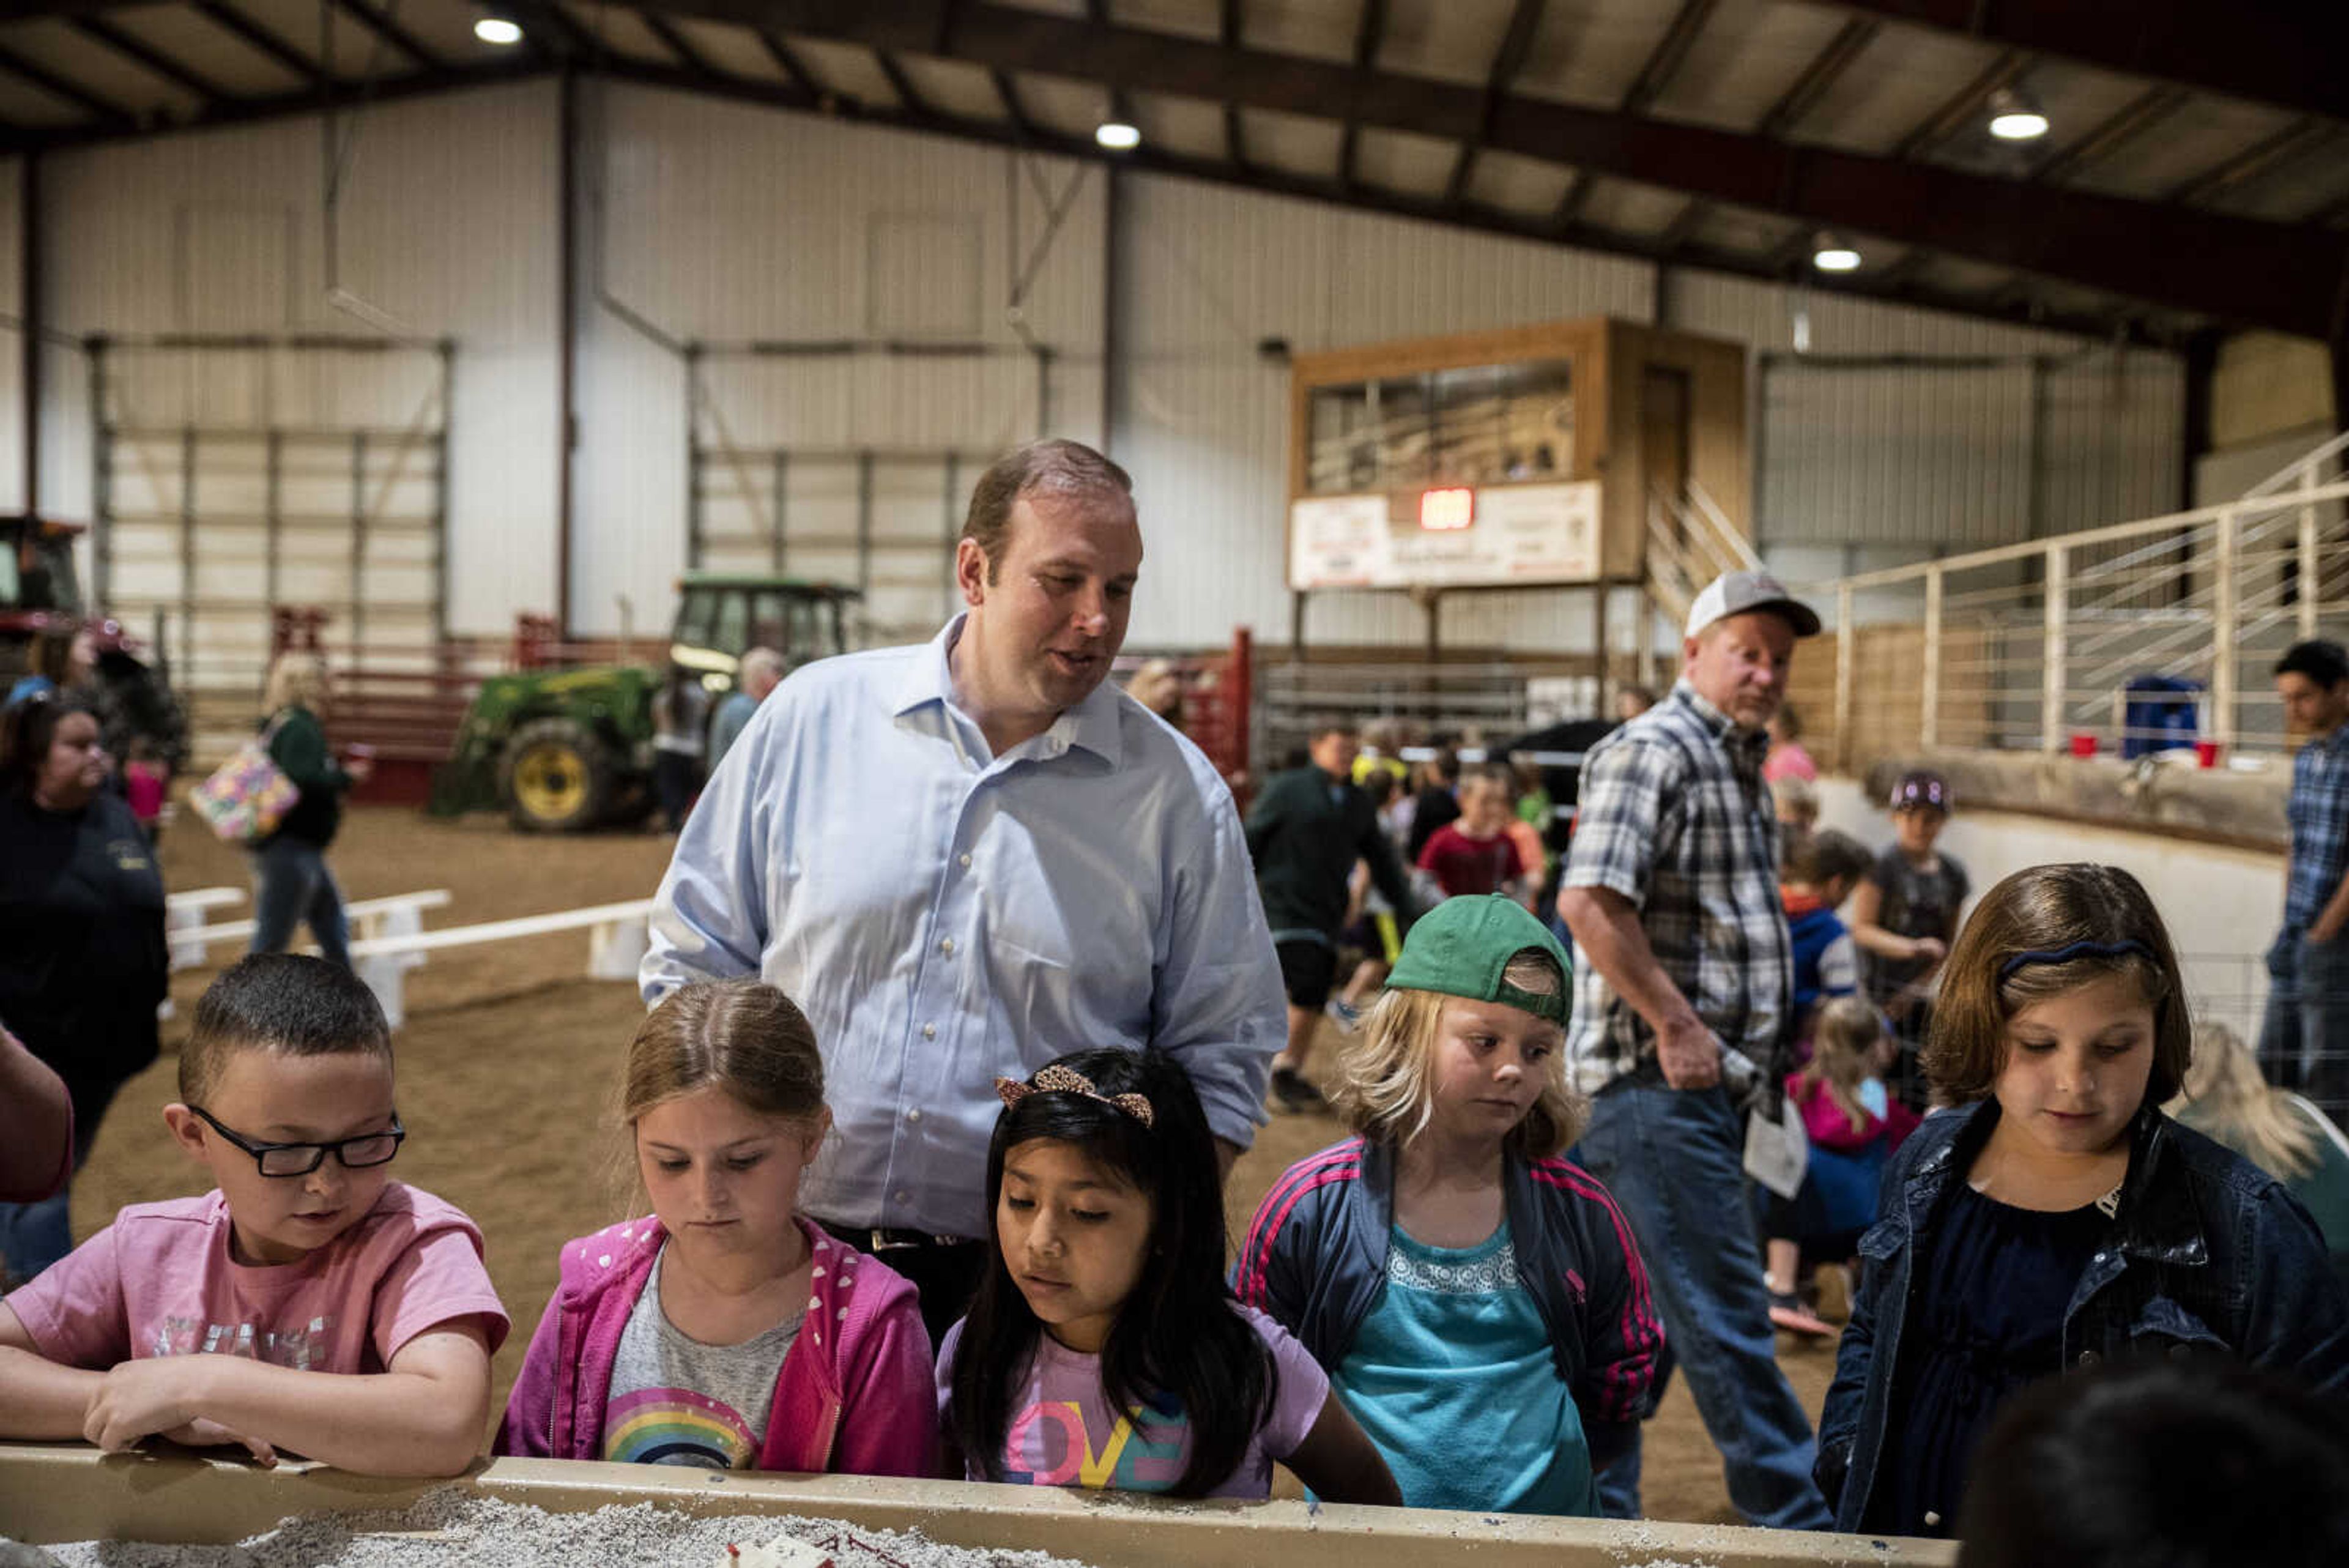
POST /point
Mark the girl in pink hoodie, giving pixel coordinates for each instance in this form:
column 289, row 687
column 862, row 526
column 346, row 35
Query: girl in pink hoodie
column 724, row 1330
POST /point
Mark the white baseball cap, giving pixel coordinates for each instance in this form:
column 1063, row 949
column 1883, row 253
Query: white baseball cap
column 1737, row 593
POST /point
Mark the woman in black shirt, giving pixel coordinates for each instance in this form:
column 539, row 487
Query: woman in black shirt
column 83, row 962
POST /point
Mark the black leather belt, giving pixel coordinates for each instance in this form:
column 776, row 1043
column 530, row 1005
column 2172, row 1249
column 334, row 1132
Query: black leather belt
column 886, row 1239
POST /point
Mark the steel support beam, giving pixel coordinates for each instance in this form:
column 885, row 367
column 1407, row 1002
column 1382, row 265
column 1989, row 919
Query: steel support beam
column 1516, row 42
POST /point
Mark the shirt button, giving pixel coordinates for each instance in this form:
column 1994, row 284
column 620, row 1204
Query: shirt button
column 964, row 860
column 904, row 1196
column 1932, row 1520
column 946, row 945
column 914, row 1114
column 2089, row 1358
column 929, row 1030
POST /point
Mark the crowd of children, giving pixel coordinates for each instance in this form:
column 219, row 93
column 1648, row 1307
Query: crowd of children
column 1445, row 1270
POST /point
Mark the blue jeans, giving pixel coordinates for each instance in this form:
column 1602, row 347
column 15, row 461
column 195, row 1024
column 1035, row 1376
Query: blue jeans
column 2304, row 1036
column 291, row 887
column 1674, row 1160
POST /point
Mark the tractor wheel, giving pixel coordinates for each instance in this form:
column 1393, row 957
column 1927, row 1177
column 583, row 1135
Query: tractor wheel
column 556, row 776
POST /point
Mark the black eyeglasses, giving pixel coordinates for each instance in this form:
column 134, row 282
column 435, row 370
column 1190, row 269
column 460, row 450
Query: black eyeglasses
column 302, row 1158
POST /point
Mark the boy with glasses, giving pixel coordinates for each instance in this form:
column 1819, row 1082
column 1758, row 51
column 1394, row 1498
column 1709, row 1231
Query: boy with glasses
column 307, row 1302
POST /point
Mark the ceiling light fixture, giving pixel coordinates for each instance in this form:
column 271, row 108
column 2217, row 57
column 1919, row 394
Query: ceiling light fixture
column 2014, row 116
column 1830, row 252
column 503, row 31
column 1117, row 136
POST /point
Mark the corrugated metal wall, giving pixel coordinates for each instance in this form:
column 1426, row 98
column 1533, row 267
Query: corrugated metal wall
column 721, row 221
column 448, row 223
column 718, row 221
column 11, row 301
column 1872, row 455
column 1207, row 274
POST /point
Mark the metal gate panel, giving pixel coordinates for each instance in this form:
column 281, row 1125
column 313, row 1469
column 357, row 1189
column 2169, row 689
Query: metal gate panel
column 850, row 463
column 236, row 474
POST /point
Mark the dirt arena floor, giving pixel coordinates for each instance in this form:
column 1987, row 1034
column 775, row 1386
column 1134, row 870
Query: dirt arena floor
column 506, row 1064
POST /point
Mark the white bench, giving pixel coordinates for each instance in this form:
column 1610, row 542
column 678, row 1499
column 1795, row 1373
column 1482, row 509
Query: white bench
column 617, row 938
column 184, row 913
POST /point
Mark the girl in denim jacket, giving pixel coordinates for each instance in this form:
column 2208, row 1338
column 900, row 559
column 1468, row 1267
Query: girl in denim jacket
column 2055, row 1219
column 723, row 1330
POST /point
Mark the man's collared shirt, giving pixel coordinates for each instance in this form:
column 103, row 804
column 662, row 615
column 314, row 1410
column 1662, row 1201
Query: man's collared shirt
column 1675, row 817
column 943, row 915
column 2319, row 813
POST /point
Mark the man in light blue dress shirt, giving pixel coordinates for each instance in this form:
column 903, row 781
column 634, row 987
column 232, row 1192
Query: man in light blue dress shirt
column 966, row 857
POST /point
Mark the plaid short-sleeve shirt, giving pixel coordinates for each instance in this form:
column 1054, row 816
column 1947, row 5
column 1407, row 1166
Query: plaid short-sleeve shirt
column 1676, row 818
column 2319, row 813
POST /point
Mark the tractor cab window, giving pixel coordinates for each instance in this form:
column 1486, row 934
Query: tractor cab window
column 733, row 623
column 772, row 624
column 695, row 616
column 50, row 583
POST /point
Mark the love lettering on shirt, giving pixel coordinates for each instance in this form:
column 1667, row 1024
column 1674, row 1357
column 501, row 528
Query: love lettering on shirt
column 1050, row 1444
column 303, row 1349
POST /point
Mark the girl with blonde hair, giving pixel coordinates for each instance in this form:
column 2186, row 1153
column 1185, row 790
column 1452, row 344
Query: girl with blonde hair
column 2227, row 1098
column 1446, row 1266
column 291, row 883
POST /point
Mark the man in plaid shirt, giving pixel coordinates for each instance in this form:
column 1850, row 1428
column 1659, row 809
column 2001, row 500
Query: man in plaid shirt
column 1682, row 977
column 2304, row 1039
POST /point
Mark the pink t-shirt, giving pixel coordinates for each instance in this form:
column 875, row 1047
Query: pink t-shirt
column 1062, row 1432
column 159, row 1281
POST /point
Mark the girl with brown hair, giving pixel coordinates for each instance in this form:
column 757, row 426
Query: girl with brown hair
column 2055, row 1217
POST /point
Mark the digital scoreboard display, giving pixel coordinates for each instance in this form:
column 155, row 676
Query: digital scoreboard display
column 1447, row 511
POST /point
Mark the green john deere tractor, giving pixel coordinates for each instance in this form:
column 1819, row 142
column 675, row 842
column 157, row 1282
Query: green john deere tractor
column 565, row 749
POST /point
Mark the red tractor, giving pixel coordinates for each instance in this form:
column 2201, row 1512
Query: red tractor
column 45, row 630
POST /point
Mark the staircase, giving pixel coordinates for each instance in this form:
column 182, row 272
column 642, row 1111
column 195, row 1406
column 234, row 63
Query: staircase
column 1691, row 541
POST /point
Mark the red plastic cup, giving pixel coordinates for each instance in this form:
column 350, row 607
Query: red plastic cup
column 2084, row 743
column 2206, row 753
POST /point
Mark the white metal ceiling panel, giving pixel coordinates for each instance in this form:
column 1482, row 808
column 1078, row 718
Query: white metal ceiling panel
column 1187, row 127
column 1898, row 80
column 1526, row 186
column 1445, row 40
column 2203, row 134
column 1291, row 143
column 206, row 48
column 1188, row 18
column 1321, row 29
column 86, row 63
column 1396, row 161
column 1590, row 51
column 736, row 51
column 847, row 69
column 1743, row 61
column 951, row 86
column 1632, row 209
column 1057, row 103
column 326, row 33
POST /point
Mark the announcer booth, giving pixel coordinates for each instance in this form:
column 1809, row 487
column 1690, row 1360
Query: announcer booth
column 1586, row 456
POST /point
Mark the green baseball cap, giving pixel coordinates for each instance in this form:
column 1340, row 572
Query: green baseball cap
column 1461, row 948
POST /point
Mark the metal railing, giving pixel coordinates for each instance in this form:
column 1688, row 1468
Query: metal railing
column 2137, row 637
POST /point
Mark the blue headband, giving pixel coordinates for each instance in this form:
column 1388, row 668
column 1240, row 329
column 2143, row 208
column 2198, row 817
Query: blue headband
column 2130, row 948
